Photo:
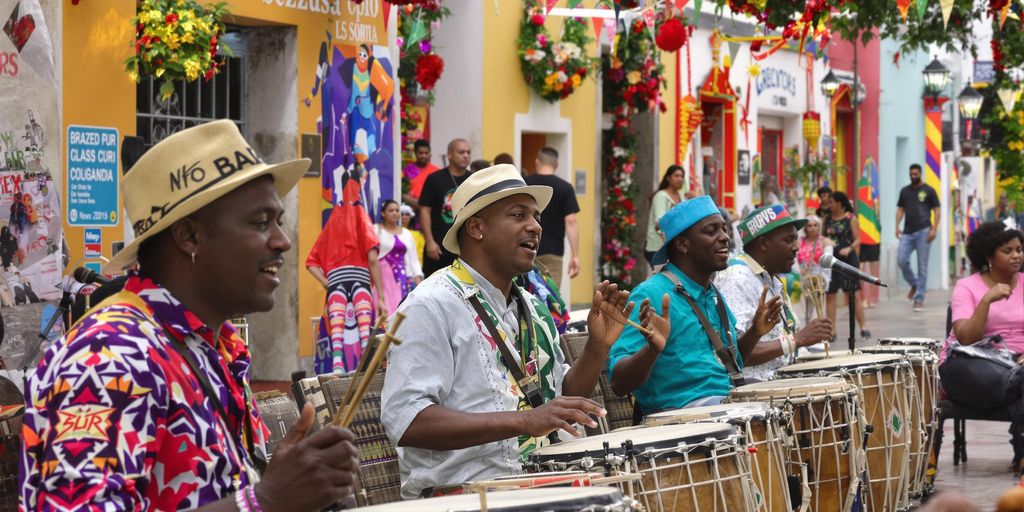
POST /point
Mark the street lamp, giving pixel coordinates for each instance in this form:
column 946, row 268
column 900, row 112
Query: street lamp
column 970, row 101
column 830, row 84
column 936, row 76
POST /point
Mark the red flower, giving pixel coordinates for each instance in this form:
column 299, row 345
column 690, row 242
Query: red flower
column 537, row 19
column 171, row 18
column 428, row 70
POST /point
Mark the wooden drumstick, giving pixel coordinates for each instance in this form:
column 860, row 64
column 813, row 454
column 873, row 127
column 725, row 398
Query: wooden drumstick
column 343, row 416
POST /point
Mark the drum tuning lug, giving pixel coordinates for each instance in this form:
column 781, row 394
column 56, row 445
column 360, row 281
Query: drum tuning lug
column 869, row 429
column 751, row 449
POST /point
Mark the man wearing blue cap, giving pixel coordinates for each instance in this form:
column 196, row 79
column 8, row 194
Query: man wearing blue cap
column 770, row 244
column 702, row 356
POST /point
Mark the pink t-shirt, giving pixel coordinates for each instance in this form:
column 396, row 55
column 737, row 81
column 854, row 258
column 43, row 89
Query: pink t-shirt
column 1005, row 317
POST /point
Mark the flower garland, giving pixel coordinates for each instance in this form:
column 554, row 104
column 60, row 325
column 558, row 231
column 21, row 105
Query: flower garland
column 553, row 69
column 1004, row 139
column 177, row 40
column 419, row 66
column 632, row 85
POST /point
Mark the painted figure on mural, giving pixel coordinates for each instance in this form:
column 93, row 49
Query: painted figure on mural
column 344, row 260
column 369, row 104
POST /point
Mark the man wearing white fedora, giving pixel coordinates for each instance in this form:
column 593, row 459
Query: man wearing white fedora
column 145, row 403
column 479, row 380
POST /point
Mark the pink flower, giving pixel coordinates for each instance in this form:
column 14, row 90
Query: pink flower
column 541, row 40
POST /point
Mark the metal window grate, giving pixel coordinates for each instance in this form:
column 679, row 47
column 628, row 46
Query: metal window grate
column 198, row 102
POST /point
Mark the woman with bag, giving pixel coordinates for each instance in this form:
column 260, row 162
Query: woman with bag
column 987, row 314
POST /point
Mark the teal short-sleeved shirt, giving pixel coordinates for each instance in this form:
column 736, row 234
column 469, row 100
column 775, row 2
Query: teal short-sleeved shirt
column 687, row 368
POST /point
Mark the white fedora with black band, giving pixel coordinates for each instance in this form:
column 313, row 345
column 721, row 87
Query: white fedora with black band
column 188, row 171
column 485, row 187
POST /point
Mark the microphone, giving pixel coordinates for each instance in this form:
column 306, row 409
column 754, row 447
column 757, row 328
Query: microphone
column 830, row 261
column 89, row 276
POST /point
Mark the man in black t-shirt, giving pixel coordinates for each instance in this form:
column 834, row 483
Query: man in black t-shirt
column 918, row 202
column 558, row 220
column 436, row 205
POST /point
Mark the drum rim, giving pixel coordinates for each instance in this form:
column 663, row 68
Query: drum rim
column 706, row 413
column 836, row 363
column 552, row 495
column 813, row 386
column 716, row 431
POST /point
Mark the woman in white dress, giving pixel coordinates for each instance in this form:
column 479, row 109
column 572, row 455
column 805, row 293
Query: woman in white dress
column 400, row 268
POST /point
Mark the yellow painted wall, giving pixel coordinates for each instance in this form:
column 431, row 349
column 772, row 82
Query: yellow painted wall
column 668, row 121
column 506, row 94
column 98, row 37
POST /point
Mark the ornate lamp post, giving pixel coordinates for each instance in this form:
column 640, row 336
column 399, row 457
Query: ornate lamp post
column 970, row 101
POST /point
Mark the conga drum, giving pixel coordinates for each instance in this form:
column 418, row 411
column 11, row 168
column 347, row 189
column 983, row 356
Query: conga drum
column 682, row 467
column 523, row 500
column 885, row 382
column 824, row 424
column 761, row 425
column 817, row 355
column 10, row 450
column 922, row 421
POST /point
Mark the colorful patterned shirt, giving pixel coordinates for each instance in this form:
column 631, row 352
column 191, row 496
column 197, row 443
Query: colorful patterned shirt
column 115, row 420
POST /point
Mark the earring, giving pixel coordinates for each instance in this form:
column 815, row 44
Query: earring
column 481, row 237
column 193, row 259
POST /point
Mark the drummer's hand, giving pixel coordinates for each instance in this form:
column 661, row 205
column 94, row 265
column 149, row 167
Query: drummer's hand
column 660, row 326
column 560, row 414
column 309, row 473
column 768, row 313
column 814, row 332
column 608, row 313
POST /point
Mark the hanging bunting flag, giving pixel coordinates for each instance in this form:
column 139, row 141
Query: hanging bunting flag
column 734, row 50
column 1002, row 14
column 903, row 6
column 574, row 3
column 1008, row 97
column 618, row 9
column 417, row 33
column 549, row 4
column 867, row 200
column 947, row 9
column 696, row 11
column 681, row 3
column 648, row 15
column 598, row 25
column 922, row 8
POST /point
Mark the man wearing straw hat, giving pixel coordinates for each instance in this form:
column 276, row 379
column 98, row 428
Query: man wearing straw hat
column 479, row 380
column 770, row 244
column 703, row 356
column 145, row 404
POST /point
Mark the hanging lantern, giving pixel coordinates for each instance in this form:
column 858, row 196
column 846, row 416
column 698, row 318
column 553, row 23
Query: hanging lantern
column 672, row 35
column 812, row 129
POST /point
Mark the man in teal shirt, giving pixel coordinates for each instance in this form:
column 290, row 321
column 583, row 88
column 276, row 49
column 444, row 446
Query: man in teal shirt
column 685, row 370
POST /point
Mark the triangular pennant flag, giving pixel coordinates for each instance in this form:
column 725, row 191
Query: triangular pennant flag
column 648, row 15
column 696, row 11
column 947, row 9
column 618, row 9
column 734, row 50
column 681, row 3
column 1002, row 14
column 922, row 8
column 1008, row 97
column 903, row 6
column 549, row 4
column 574, row 3
column 417, row 33
column 387, row 12
column 598, row 25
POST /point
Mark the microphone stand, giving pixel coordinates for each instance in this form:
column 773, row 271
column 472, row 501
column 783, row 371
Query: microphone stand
column 851, row 298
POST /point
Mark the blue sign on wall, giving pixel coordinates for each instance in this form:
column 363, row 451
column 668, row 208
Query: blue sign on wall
column 984, row 72
column 92, row 176
column 93, row 243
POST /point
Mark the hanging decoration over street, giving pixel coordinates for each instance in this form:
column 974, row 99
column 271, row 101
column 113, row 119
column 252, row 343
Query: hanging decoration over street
column 419, row 70
column 553, row 69
column 632, row 85
column 177, row 40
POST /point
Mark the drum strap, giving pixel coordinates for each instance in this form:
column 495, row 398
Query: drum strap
column 726, row 353
column 530, row 385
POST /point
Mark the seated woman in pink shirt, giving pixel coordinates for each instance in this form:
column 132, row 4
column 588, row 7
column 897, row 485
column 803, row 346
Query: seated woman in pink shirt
column 991, row 301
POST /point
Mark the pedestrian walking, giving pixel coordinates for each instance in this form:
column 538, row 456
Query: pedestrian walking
column 919, row 205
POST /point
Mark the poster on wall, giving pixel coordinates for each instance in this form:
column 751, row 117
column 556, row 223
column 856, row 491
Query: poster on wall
column 743, row 167
column 358, row 94
column 31, row 255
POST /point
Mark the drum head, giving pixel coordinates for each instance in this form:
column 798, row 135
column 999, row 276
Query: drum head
column 668, row 436
column 784, row 388
column 909, row 350
column 525, row 500
column 928, row 342
column 722, row 412
column 839, row 363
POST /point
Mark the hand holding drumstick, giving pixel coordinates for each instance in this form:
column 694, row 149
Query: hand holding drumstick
column 655, row 328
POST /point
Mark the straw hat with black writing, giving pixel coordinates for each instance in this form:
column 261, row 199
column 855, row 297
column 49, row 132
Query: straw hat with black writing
column 187, row 171
column 482, row 189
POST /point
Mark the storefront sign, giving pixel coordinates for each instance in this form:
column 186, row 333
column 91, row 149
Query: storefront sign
column 775, row 78
column 321, row 6
column 363, row 23
column 984, row 72
column 93, row 243
column 92, row 176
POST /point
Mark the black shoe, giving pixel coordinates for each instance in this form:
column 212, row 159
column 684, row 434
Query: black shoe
column 865, row 334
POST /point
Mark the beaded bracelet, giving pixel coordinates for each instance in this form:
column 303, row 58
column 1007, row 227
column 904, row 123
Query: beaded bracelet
column 250, row 492
column 241, row 502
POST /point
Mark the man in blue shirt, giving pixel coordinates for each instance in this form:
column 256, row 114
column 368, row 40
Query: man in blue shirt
column 686, row 370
